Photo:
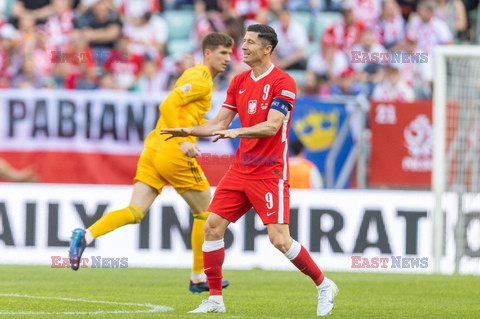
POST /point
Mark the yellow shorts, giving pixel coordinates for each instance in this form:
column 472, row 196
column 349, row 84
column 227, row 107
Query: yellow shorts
column 170, row 166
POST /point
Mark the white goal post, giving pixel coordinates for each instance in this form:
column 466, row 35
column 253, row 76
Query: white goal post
column 455, row 154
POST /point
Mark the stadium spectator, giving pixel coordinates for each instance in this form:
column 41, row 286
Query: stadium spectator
column 3, row 9
column 201, row 28
column 407, row 8
column 251, row 11
column 453, row 13
column 85, row 5
column 131, row 9
column 27, row 33
column 292, row 41
column 41, row 53
column 107, row 82
column 303, row 172
column 393, row 88
column 366, row 11
column 346, row 33
column 123, row 64
column 40, row 10
column 171, row 162
column 28, row 77
column 390, row 27
column 64, row 75
column 87, row 79
column 10, row 58
column 9, row 173
column 329, row 63
column 430, row 30
column 313, row 6
column 369, row 71
column 151, row 80
column 264, row 185
column 234, row 28
column 100, row 25
column 60, row 24
column 416, row 75
column 217, row 8
column 212, row 13
column 347, row 85
column 311, row 87
column 148, row 35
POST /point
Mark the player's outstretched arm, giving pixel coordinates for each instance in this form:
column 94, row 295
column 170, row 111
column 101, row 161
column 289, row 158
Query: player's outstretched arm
column 220, row 122
column 267, row 128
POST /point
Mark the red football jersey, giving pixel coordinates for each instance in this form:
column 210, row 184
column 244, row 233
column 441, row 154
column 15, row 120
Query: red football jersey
column 252, row 97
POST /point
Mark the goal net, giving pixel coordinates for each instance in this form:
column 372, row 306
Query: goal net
column 456, row 156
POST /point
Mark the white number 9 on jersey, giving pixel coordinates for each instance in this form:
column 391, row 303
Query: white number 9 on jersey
column 269, row 200
column 266, row 88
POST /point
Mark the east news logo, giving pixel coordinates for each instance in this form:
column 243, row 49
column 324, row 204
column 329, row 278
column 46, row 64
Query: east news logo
column 398, row 262
column 96, row 262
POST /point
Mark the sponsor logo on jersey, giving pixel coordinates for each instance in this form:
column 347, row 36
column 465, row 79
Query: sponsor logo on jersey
column 252, row 106
column 241, row 91
column 288, row 93
column 186, row 88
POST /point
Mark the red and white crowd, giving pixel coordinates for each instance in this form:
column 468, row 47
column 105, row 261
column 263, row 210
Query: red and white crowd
column 382, row 49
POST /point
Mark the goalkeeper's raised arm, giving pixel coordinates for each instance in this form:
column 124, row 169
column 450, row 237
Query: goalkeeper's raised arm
column 220, row 122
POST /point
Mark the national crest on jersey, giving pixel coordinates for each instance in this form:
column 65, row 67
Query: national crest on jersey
column 252, row 98
column 252, row 106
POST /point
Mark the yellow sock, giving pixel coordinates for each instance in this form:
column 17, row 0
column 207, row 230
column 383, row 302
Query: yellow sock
column 116, row 219
column 197, row 241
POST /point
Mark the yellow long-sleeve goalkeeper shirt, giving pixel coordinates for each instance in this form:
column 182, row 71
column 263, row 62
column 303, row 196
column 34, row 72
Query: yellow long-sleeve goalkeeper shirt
column 185, row 106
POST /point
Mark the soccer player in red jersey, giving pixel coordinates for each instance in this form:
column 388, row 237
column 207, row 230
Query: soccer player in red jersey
column 263, row 97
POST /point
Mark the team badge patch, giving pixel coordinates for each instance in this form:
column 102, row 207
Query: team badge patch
column 288, row 93
column 186, row 88
column 252, row 106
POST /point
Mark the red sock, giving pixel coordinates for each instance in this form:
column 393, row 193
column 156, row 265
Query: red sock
column 305, row 264
column 212, row 262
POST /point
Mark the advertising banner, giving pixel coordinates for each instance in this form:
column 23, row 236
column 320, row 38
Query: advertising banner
column 401, row 145
column 86, row 137
column 345, row 230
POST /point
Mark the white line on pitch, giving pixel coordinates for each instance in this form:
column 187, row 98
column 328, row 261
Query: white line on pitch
column 153, row 308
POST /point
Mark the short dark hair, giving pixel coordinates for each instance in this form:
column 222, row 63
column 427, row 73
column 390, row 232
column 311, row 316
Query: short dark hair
column 215, row 39
column 266, row 34
column 296, row 147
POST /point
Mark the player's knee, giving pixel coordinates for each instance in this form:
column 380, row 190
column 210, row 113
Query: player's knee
column 280, row 243
column 212, row 231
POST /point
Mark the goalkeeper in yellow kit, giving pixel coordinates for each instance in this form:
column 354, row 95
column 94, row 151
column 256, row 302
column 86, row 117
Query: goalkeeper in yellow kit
column 173, row 161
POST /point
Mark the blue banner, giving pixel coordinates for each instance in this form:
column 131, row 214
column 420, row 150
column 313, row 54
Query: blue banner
column 316, row 125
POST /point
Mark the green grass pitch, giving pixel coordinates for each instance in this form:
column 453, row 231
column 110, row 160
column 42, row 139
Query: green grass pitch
column 252, row 294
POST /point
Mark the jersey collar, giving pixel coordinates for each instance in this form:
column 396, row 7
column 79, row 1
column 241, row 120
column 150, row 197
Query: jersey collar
column 203, row 66
column 262, row 75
